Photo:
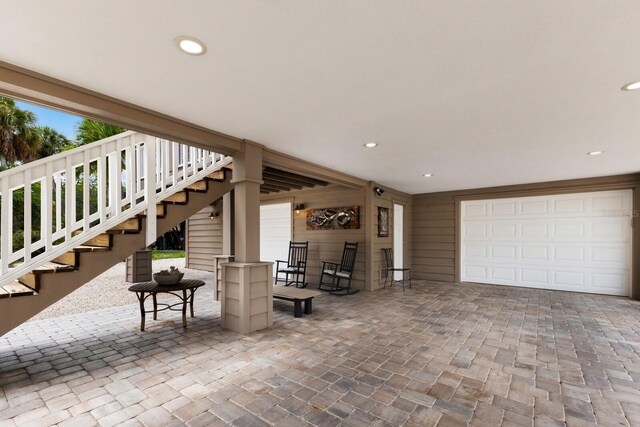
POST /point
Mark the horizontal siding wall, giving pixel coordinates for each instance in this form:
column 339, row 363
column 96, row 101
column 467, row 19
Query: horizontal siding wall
column 327, row 245
column 204, row 240
column 433, row 230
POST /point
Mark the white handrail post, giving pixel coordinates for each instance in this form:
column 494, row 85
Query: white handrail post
column 46, row 205
column 27, row 215
column 5, row 229
column 150, row 188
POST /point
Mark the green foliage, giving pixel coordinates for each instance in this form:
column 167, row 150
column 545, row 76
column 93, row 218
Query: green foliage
column 21, row 141
column 90, row 131
column 156, row 254
column 19, row 135
column 52, row 142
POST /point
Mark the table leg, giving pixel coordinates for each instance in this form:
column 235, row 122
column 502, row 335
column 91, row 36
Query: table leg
column 193, row 291
column 297, row 308
column 184, row 308
column 307, row 306
column 155, row 307
column 140, row 296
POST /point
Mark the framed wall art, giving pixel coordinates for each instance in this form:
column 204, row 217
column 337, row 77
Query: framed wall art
column 383, row 222
column 333, row 218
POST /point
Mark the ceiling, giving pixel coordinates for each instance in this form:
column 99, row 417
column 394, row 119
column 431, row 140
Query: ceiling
column 478, row 92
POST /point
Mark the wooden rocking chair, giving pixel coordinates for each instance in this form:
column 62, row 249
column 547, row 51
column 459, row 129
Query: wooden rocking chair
column 336, row 272
column 295, row 267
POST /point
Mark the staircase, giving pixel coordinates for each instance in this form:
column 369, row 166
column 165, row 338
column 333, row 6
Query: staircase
column 67, row 218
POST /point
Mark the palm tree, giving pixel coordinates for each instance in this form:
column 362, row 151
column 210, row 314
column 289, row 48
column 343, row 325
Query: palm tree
column 90, row 131
column 51, row 142
column 18, row 133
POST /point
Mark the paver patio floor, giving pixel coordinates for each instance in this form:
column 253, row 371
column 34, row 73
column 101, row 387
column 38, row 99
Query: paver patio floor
column 437, row 354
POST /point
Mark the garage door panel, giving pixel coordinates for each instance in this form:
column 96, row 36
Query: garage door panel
column 472, row 250
column 475, row 273
column 534, row 207
column 505, row 252
column 613, row 229
column 503, row 208
column 575, row 254
column 475, row 209
column 503, row 273
column 535, row 231
column 534, row 253
column 569, row 205
column 577, row 242
column 609, row 203
column 507, row 230
column 534, row 276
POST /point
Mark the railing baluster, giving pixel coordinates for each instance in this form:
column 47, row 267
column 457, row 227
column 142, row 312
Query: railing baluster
column 150, row 190
column 194, row 160
column 58, row 184
column 102, row 181
column 185, row 162
column 86, row 195
column 46, row 206
column 7, row 234
column 165, row 165
column 174, row 163
column 129, row 175
column 27, row 215
column 69, row 198
column 117, row 188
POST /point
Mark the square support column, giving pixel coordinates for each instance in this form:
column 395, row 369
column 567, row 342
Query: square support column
column 247, row 296
column 247, row 283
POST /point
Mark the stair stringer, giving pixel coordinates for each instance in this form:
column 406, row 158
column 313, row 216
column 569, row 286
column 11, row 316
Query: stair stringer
column 53, row 287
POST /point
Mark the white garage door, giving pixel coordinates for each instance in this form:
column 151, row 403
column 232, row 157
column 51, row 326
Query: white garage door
column 571, row 242
column 275, row 231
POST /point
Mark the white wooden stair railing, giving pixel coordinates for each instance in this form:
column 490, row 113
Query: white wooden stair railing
column 86, row 191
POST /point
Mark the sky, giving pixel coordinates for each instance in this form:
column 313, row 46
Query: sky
column 57, row 120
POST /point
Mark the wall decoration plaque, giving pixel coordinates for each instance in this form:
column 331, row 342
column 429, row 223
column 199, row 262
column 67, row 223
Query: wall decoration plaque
column 383, row 222
column 344, row 218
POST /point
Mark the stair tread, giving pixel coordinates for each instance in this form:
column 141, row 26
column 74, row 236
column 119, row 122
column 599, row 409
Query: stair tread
column 16, row 289
column 52, row 267
column 87, row 248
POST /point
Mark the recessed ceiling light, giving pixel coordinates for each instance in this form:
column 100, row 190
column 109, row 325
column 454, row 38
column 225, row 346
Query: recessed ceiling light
column 191, row 45
column 428, row 175
column 371, row 144
column 631, row 86
column 595, row 153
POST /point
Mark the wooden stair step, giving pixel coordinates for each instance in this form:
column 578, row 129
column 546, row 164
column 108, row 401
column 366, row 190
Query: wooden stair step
column 31, row 280
column 88, row 248
column 217, row 176
column 103, row 240
column 200, row 186
column 161, row 211
column 53, row 267
column 132, row 225
column 70, row 258
column 16, row 289
column 180, row 197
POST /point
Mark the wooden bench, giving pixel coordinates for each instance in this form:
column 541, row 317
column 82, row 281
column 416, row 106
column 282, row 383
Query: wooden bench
column 297, row 295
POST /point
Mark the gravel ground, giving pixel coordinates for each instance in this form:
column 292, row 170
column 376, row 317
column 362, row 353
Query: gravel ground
column 110, row 290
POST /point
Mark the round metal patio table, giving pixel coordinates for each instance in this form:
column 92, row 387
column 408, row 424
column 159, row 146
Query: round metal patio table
column 184, row 290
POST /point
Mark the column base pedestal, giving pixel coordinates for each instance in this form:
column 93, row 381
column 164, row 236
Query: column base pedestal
column 247, row 296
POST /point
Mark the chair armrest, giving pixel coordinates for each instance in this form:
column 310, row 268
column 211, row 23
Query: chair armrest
column 334, row 264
